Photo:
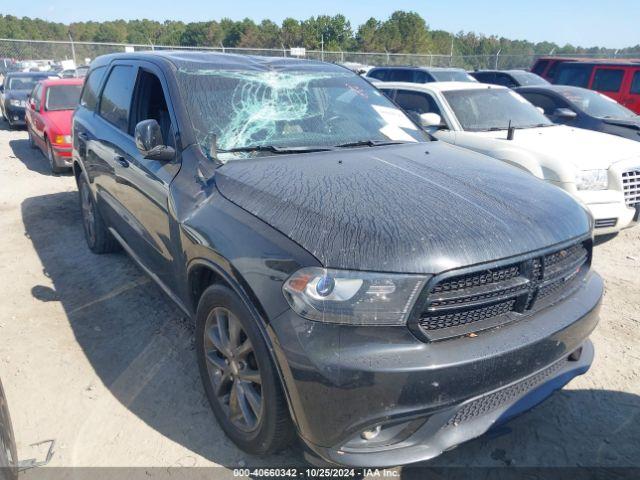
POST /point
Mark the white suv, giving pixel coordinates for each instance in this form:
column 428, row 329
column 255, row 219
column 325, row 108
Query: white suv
column 602, row 171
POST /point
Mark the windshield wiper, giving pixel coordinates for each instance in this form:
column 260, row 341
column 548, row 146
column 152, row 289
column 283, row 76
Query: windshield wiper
column 272, row 149
column 368, row 143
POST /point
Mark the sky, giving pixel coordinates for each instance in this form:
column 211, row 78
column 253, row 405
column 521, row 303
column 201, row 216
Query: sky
column 611, row 24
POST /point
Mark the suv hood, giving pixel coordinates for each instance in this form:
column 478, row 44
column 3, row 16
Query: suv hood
column 416, row 208
column 584, row 149
column 17, row 94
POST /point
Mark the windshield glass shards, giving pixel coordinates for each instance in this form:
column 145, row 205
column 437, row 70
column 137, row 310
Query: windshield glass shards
column 244, row 113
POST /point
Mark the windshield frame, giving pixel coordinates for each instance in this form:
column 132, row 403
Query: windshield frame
column 540, row 119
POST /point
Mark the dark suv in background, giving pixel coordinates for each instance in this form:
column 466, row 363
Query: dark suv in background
column 418, row 74
column 14, row 92
column 382, row 296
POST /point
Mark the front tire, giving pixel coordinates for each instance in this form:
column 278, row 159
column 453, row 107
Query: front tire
column 239, row 377
column 99, row 239
column 55, row 169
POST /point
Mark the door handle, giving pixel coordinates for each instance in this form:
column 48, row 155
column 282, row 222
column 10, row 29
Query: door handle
column 121, row 160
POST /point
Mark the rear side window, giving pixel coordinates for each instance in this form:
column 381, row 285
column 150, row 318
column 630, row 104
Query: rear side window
column 37, row 96
column 607, row 80
column 505, row 80
column 115, row 102
column 576, row 75
column 635, row 83
column 485, row 77
column 89, row 97
column 401, row 75
column 378, row 74
column 416, row 102
column 539, row 67
column 553, row 69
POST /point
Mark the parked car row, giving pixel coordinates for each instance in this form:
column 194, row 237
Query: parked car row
column 601, row 171
column 353, row 282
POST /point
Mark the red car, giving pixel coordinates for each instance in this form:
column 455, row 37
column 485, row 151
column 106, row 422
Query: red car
column 48, row 117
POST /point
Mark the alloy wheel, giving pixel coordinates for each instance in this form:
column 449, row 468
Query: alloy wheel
column 233, row 370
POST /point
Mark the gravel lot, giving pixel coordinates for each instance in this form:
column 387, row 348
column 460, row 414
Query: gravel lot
column 93, row 355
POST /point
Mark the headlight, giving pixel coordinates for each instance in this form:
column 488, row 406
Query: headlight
column 17, row 103
column 592, row 180
column 355, row 298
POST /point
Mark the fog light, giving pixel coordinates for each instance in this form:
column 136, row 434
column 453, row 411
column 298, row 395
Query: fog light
column 371, row 434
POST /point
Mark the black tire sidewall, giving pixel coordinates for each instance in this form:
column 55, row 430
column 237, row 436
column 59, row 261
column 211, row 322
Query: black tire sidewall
column 261, row 440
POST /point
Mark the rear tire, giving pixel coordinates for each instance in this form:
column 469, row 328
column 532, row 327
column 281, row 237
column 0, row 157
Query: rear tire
column 256, row 417
column 32, row 143
column 99, row 239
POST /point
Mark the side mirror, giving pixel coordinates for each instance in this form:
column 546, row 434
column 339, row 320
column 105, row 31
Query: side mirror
column 430, row 120
column 32, row 103
column 565, row 113
column 149, row 142
column 540, row 109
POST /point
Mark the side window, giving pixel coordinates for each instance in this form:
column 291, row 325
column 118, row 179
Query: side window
column 401, row 75
column 553, row 69
column 485, row 77
column 150, row 104
column 545, row 102
column 635, row 83
column 539, row 67
column 388, row 93
column 505, row 80
column 607, row 80
column 417, row 102
column 89, row 97
column 115, row 102
column 378, row 74
column 421, row 77
column 576, row 75
column 37, row 96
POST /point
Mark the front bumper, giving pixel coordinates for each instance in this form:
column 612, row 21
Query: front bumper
column 343, row 380
column 62, row 155
column 15, row 115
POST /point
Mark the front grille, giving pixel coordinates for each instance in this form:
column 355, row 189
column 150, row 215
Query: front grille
column 493, row 401
column 606, row 222
column 631, row 187
column 462, row 303
column 462, row 317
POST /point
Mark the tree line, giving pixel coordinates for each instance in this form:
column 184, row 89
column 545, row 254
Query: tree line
column 402, row 32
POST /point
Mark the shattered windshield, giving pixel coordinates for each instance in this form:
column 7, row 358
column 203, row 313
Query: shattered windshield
column 288, row 109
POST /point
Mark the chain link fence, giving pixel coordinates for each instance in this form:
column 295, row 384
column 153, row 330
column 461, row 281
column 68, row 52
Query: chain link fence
column 39, row 53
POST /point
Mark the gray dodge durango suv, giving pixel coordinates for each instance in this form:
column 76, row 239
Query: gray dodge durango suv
column 380, row 295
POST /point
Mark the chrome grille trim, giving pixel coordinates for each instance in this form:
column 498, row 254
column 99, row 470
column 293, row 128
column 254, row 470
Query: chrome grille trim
column 631, row 186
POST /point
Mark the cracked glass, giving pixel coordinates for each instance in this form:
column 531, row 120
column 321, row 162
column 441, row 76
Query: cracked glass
column 233, row 109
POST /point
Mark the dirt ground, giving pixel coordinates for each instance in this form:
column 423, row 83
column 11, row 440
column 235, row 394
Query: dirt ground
column 94, row 356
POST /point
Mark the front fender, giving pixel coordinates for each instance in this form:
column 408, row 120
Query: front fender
column 523, row 161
